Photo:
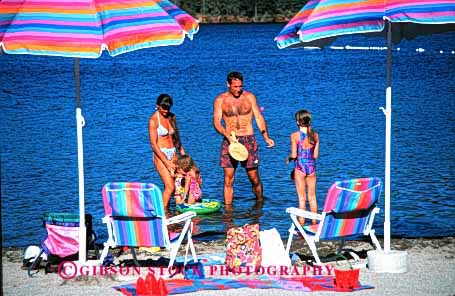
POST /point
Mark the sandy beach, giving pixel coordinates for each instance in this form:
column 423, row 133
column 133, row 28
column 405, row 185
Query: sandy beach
column 431, row 271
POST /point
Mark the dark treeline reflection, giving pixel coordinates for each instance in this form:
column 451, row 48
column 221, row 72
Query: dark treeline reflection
column 242, row 10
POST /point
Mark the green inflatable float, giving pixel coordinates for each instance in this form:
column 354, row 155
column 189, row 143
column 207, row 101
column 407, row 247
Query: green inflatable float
column 207, row 206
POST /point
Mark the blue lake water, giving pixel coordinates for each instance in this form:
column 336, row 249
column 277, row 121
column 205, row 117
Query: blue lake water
column 342, row 88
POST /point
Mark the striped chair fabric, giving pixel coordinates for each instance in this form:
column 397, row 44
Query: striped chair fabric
column 137, row 211
column 348, row 207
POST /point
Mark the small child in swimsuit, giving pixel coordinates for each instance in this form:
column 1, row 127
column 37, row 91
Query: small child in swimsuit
column 304, row 152
column 188, row 181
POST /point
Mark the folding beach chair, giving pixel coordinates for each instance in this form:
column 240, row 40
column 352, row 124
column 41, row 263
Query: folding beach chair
column 62, row 240
column 349, row 210
column 135, row 217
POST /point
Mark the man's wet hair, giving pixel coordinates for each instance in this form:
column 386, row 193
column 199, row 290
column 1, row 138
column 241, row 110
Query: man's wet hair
column 234, row 75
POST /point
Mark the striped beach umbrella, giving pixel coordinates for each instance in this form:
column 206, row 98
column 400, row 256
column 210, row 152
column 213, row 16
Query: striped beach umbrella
column 83, row 29
column 320, row 22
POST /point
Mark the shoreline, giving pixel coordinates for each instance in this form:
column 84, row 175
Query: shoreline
column 405, row 241
column 235, row 19
column 431, row 271
column 401, row 243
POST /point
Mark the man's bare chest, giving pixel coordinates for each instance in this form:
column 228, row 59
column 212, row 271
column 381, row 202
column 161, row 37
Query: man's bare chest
column 234, row 107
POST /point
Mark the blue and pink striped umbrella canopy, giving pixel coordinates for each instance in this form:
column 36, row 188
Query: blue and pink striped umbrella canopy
column 84, row 28
column 319, row 22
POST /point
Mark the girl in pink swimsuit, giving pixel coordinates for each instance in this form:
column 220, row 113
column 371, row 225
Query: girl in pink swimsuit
column 304, row 152
column 188, row 181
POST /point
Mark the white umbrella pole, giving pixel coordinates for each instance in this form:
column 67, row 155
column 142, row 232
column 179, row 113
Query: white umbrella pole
column 388, row 132
column 388, row 260
column 80, row 162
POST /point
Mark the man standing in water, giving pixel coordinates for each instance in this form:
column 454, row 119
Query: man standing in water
column 237, row 108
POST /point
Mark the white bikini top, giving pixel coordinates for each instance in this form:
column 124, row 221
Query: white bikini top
column 161, row 130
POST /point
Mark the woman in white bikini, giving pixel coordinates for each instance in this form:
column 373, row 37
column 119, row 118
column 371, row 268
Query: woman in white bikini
column 165, row 141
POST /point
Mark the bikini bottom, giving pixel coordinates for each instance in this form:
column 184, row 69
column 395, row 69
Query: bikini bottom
column 169, row 152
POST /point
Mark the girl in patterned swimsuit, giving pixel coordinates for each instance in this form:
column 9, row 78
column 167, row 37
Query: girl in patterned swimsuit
column 304, row 152
column 188, row 181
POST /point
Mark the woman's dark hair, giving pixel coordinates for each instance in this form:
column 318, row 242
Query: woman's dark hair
column 166, row 102
column 303, row 118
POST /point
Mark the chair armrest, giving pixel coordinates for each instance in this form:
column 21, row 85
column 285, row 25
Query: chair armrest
column 181, row 218
column 111, row 237
column 302, row 213
column 106, row 219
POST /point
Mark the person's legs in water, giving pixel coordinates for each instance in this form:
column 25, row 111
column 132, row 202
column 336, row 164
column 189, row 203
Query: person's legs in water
column 227, row 217
column 300, row 187
column 251, row 164
column 311, row 184
column 228, row 191
column 229, row 166
column 256, row 184
column 168, row 181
